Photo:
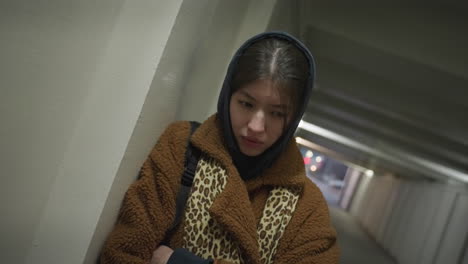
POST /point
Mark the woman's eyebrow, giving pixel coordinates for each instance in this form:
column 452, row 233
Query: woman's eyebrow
column 282, row 106
column 248, row 95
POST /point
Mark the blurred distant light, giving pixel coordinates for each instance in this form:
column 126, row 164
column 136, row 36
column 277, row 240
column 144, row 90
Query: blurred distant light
column 306, row 160
column 369, row 173
column 313, row 168
column 309, row 154
column 390, row 154
column 318, row 159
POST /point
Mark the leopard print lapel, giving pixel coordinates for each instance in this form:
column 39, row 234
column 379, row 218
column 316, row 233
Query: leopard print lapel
column 206, row 238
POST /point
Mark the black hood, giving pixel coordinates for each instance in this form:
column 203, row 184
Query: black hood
column 251, row 167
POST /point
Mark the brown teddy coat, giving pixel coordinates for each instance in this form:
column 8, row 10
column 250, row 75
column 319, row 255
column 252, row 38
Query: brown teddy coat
column 149, row 205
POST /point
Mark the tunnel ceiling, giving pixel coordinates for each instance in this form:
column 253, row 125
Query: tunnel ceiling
column 394, row 80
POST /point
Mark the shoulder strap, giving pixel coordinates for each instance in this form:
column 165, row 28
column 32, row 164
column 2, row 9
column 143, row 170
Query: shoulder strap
column 192, row 155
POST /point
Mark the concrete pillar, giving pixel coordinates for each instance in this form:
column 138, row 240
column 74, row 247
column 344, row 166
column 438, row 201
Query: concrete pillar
column 75, row 76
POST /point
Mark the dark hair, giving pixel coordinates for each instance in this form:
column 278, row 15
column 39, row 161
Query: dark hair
column 275, row 60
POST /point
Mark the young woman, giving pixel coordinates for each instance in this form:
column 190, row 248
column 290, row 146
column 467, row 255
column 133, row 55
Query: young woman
column 250, row 201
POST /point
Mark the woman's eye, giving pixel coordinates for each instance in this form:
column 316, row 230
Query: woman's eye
column 245, row 104
column 278, row 114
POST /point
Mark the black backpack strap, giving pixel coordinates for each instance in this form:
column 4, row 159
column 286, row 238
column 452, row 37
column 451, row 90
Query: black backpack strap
column 192, row 155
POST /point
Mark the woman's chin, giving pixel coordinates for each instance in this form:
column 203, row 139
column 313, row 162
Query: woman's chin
column 251, row 152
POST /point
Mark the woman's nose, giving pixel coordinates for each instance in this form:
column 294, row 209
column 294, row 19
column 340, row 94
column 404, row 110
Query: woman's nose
column 257, row 122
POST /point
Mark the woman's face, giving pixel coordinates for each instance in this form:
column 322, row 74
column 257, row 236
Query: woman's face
column 257, row 116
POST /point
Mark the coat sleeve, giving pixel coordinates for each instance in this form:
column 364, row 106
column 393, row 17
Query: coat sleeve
column 313, row 240
column 148, row 207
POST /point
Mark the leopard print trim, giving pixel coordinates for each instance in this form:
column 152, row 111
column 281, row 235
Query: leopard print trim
column 205, row 238
column 278, row 210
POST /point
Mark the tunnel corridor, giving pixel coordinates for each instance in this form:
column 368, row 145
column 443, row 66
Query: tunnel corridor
column 388, row 219
column 88, row 86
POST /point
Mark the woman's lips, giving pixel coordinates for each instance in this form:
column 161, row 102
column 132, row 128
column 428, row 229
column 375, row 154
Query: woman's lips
column 252, row 142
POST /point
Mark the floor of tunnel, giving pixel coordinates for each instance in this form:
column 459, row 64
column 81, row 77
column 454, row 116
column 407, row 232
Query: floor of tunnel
column 356, row 246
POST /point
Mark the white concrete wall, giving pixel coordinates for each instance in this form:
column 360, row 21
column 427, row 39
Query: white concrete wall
column 210, row 59
column 465, row 257
column 416, row 222
column 74, row 76
column 285, row 17
column 351, row 182
column 358, row 200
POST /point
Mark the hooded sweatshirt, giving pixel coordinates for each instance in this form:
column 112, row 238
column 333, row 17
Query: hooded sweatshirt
column 250, row 167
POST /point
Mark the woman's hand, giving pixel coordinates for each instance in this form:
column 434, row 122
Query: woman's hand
column 161, row 255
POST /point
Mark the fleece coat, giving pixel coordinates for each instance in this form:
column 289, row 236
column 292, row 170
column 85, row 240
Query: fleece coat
column 148, row 207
